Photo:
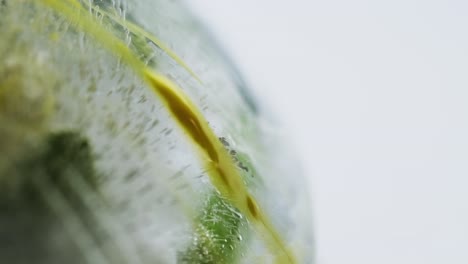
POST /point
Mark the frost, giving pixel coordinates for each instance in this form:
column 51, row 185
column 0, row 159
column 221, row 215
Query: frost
column 94, row 167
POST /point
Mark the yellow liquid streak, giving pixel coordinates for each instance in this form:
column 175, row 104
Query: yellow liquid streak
column 220, row 167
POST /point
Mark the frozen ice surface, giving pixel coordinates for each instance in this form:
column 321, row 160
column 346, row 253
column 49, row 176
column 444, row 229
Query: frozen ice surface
column 96, row 169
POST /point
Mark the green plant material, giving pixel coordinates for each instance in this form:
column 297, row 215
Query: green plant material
column 139, row 36
column 218, row 234
column 26, row 214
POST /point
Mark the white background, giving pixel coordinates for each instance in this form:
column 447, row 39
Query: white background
column 374, row 95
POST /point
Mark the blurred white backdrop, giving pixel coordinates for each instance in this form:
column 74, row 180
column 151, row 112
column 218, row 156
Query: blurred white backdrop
column 374, row 95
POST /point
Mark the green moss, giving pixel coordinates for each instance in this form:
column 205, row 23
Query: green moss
column 218, row 234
